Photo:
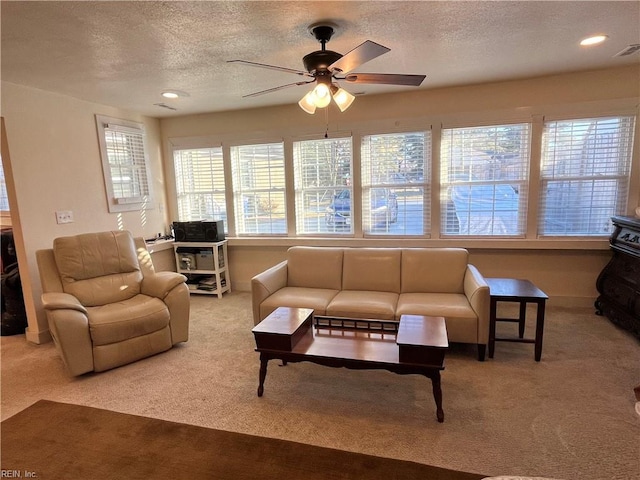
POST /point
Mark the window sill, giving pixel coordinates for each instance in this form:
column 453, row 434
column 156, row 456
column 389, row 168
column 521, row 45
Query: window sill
column 471, row 244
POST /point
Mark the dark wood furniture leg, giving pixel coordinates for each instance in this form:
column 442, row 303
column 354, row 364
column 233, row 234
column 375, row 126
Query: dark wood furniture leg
column 264, row 359
column 539, row 330
column 492, row 326
column 437, row 395
column 521, row 318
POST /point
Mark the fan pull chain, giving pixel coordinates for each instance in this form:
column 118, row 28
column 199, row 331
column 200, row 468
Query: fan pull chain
column 326, row 119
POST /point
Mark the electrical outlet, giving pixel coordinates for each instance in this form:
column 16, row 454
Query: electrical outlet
column 64, row 216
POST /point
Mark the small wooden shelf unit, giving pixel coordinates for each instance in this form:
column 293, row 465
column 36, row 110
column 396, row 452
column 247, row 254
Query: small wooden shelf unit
column 206, row 266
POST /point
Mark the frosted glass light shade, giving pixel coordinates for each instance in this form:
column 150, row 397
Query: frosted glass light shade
column 307, row 103
column 343, row 99
column 322, row 95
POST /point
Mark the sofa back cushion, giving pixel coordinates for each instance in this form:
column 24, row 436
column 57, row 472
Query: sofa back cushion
column 314, row 267
column 434, row 270
column 372, row 269
column 98, row 268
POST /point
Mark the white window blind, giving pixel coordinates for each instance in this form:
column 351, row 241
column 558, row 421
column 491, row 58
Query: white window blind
column 585, row 172
column 124, row 162
column 322, row 173
column 484, row 180
column 200, row 186
column 259, row 189
column 396, row 183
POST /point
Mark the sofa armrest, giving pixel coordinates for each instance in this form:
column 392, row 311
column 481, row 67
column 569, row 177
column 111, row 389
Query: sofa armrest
column 476, row 290
column 61, row 301
column 161, row 283
column 265, row 284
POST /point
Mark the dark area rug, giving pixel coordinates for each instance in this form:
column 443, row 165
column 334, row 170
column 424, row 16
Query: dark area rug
column 57, row 441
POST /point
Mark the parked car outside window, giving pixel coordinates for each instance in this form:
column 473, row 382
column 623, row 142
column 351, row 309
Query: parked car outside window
column 384, row 208
column 486, row 209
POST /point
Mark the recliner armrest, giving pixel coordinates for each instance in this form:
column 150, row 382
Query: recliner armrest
column 60, row 301
column 161, row 283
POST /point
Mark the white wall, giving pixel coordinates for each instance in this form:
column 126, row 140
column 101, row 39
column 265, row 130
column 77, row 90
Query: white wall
column 56, row 164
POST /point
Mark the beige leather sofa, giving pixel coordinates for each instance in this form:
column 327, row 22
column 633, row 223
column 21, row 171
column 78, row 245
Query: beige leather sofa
column 380, row 283
column 105, row 304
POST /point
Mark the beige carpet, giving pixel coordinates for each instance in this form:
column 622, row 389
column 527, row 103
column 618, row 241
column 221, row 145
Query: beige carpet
column 571, row 416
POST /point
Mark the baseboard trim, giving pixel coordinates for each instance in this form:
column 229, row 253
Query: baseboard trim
column 571, row 302
column 39, row 337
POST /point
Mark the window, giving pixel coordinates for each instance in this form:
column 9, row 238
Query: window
column 322, row 172
column 124, row 163
column 396, row 183
column 259, row 189
column 4, row 197
column 484, row 180
column 200, row 186
column 585, row 174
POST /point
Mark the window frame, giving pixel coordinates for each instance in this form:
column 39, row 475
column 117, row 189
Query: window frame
column 546, row 180
column 368, row 186
column 239, row 191
column 299, row 192
column 524, row 183
column 213, row 192
column 142, row 172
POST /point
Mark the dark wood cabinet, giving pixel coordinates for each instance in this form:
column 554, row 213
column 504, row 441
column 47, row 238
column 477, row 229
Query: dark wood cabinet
column 619, row 281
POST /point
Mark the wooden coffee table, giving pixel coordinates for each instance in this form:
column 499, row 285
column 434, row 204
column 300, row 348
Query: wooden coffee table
column 415, row 345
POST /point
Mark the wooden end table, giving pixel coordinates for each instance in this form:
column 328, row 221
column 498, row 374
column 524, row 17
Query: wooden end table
column 415, row 345
column 521, row 292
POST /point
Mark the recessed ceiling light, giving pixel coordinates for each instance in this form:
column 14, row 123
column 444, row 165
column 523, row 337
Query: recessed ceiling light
column 174, row 94
column 594, row 40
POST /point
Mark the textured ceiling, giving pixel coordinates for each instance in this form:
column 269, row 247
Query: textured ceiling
column 125, row 54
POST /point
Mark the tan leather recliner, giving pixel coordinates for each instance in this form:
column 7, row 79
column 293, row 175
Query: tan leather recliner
column 105, row 304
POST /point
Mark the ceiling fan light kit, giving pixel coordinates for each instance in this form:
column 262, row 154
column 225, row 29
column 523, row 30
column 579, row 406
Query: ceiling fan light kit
column 342, row 98
column 323, row 66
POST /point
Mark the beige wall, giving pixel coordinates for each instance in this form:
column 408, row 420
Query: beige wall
column 56, row 165
column 566, row 270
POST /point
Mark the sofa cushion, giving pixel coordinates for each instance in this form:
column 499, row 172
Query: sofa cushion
column 372, row 269
column 461, row 320
column 127, row 319
column 363, row 304
column 434, row 270
column 300, row 297
column 314, row 267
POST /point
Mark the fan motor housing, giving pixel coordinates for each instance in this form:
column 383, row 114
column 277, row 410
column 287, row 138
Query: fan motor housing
column 320, row 60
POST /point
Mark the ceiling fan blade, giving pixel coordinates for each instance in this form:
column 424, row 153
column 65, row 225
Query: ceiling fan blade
column 262, row 92
column 271, row 67
column 385, row 78
column 361, row 54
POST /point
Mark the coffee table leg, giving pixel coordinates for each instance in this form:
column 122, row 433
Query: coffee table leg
column 437, row 395
column 263, row 373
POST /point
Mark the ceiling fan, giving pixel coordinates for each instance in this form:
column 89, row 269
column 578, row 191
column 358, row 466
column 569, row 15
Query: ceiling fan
column 324, row 66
